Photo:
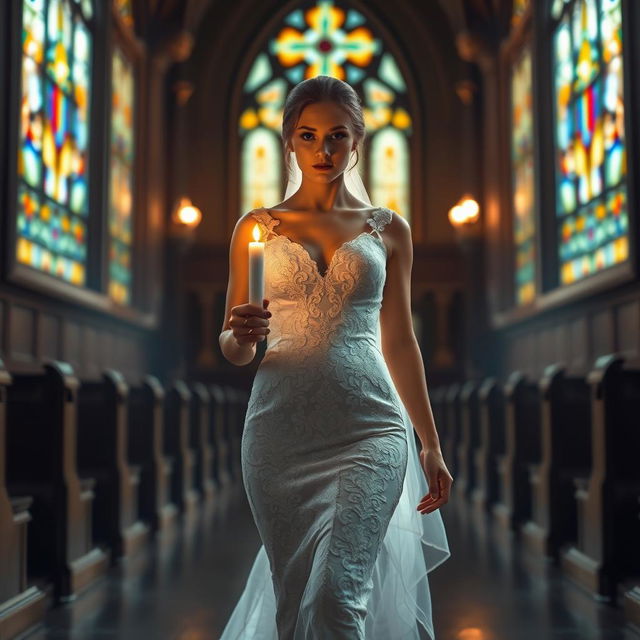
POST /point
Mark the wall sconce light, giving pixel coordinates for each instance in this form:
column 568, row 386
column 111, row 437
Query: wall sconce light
column 464, row 217
column 466, row 212
column 185, row 218
column 187, row 214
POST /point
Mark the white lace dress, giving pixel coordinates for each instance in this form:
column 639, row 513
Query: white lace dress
column 324, row 459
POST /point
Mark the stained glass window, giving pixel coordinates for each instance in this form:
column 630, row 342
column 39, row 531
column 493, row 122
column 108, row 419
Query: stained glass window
column 125, row 11
column 121, row 178
column 326, row 38
column 522, row 163
column 519, row 9
column 52, row 205
column 389, row 161
column 261, row 183
column 591, row 167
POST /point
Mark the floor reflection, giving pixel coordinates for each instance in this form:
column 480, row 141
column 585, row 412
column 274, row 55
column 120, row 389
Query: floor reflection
column 184, row 585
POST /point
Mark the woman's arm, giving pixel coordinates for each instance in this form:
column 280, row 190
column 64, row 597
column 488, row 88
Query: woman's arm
column 399, row 344
column 238, row 291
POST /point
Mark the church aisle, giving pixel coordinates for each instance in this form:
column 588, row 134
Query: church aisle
column 184, row 586
column 492, row 589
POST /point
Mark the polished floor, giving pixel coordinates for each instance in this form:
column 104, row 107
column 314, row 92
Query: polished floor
column 184, row 585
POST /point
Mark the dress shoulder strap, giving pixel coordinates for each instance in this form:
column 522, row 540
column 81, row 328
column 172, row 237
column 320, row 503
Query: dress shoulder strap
column 380, row 218
column 266, row 220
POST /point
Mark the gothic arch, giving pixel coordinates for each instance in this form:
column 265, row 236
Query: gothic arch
column 388, row 55
column 424, row 49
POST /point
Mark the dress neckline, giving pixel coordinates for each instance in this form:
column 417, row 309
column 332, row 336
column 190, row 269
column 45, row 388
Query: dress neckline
column 305, row 253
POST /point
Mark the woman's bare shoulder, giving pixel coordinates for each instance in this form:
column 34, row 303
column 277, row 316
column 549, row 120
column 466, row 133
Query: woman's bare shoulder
column 246, row 222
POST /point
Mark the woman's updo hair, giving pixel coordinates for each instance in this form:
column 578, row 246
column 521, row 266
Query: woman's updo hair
column 321, row 89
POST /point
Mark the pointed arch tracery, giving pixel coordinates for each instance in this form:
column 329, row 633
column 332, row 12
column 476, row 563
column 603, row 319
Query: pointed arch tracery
column 324, row 37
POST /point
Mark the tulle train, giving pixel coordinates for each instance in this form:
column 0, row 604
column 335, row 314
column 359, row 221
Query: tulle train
column 414, row 545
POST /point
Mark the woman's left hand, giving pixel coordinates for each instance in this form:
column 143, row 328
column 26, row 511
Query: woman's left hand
column 439, row 480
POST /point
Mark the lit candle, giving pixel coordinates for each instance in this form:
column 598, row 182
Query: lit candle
column 256, row 269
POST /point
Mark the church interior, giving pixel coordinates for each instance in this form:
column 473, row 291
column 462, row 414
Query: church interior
column 135, row 133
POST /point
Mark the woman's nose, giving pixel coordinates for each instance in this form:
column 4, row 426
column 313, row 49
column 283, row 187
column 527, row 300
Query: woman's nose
column 325, row 147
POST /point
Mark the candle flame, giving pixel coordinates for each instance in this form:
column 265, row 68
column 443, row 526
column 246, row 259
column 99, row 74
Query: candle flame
column 256, row 233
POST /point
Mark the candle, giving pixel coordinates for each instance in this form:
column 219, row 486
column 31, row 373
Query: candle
column 256, row 269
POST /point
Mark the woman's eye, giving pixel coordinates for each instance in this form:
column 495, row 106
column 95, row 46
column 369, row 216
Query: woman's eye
column 306, row 133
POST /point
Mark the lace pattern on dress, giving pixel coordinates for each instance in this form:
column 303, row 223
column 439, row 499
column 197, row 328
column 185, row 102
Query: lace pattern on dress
column 358, row 530
column 321, row 300
column 325, row 459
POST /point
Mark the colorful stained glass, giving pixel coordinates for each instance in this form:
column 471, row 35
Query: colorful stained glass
column 53, row 137
column 260, row 169
column 389, row 158
column 519, row 9
column 323, row 37
column 590, row 141
column 585, row 44
column 612, row 97
column 125, row 11
column 595, row 238
column 121, row 178
column 523, row 195
column 557, row 7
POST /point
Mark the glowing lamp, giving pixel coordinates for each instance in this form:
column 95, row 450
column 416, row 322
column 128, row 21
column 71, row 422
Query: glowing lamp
column 187, row 215
column 465, row 212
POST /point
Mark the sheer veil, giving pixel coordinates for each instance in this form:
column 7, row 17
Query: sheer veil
column 414, row 544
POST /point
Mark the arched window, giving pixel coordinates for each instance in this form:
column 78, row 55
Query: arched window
column 389, row 169
column 522, row 171
column 122, row 155
column 326, row 38
column 53, row 151
column 591, row 168
column 261, row 175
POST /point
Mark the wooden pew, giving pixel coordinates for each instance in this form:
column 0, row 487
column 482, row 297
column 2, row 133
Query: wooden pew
column 566, row 453
column 631, row 606
column 176, row 445
column 201, row 440
column 103, row 443
column 522, row 448
column 606, row 551
column 452, row 430
column 469, row 437
column 22, row 605
column 146, row 449
column 219, row 431
column 42, row 441
column 491, row 409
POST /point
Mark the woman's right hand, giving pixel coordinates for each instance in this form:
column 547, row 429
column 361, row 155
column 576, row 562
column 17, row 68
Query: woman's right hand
column 249, row 323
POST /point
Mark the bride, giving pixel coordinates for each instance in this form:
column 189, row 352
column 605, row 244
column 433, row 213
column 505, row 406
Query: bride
column 337, row 488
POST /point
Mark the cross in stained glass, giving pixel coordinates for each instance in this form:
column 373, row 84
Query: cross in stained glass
column 320, row 41
column 324, row 37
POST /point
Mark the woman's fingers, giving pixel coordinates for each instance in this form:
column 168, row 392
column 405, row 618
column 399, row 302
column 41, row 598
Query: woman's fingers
column 250, row 320
column 432, row 502
column 249, row 324
column 426, row 500
column 432, row 507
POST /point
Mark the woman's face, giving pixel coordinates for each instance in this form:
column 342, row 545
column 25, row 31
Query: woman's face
column 323, row 136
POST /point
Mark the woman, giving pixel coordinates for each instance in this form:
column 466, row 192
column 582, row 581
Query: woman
column 329, row 458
